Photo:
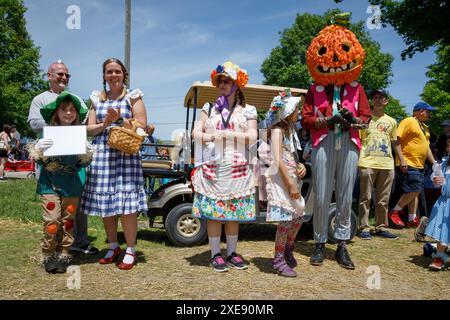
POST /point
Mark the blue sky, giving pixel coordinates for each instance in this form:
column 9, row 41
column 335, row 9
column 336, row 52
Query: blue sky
column 177, row 42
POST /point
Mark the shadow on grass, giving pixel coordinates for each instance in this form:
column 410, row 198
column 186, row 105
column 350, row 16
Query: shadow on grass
column 420, row 261
column 267, row 231
column 263, row 264
column 80, row 258
column 200, row 259
column 152, row 235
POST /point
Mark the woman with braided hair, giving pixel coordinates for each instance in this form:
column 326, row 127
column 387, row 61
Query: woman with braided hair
column 115, row 182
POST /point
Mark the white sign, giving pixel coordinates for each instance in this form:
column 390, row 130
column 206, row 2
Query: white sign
column 67, row 140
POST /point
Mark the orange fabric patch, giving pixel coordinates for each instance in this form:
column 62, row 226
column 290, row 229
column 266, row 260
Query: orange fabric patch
column 52, row 228
column 71, row 209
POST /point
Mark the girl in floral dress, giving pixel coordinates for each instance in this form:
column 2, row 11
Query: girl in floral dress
column 285, row 203
column 223, row 181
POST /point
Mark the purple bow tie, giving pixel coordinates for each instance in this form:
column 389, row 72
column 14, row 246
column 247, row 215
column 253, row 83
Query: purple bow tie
column 222, row 101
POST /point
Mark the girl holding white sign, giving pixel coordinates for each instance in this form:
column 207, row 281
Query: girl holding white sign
column 59, row 185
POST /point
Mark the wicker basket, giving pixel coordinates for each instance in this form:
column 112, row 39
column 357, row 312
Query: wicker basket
column 125, row 140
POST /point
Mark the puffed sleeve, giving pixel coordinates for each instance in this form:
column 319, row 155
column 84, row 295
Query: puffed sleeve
column 206, row 107
column 250, row 112
column 134, row 94
column 95, row 98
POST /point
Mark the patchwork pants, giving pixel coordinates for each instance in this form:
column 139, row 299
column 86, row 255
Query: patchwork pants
column 333, row 170
column 58, row 214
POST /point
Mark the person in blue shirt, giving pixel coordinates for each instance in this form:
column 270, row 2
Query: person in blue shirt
column 149, row 153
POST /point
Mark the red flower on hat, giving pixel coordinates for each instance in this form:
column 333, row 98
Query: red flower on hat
column 213, row 73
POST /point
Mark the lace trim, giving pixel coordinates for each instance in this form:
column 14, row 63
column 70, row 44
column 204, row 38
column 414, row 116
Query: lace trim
column 134, row 94
column 95, row 97
column 220, row 196
column 276, row 202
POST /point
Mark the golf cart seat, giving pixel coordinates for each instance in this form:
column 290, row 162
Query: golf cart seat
column 156, row 164
column 160, row 169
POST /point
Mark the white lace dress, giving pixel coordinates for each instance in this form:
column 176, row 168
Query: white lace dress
column 280, row 207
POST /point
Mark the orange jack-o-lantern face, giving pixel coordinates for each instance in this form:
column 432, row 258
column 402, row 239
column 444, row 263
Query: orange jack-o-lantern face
column 335, row 56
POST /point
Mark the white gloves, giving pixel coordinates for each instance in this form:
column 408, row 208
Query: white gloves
column 43, row 144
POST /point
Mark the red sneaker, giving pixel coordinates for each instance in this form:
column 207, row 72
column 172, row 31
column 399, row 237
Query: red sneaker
column 413, row 224
column 437, row 264
column 394, row 216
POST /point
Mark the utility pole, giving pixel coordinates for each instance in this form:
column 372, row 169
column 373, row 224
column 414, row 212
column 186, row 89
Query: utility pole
column 127, row 37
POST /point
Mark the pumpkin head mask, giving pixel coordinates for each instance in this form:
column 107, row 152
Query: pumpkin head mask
column 335, row 56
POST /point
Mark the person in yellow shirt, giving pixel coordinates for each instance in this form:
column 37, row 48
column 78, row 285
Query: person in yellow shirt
column 376, row 167
column 413, row 135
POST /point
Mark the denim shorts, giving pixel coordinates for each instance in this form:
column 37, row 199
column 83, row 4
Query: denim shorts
column 412, row 181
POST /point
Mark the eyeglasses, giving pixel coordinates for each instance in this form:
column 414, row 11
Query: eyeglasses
column 61, row 74
column 226, row 81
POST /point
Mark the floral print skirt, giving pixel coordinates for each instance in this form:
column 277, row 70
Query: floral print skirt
column 239, row 209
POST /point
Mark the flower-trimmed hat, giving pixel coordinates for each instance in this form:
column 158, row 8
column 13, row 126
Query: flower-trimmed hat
column 282, row 106
column 48, row 111
column 230, row 70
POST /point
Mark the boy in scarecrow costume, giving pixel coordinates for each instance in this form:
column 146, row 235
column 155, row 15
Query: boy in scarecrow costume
column 335, row 106
column 60, row 183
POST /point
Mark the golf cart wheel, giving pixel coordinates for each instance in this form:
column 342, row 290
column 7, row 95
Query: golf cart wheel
column 31, row 175
column 182, row 228
column 332, row 224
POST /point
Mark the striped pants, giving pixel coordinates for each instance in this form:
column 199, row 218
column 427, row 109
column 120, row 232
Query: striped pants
column 333, row 170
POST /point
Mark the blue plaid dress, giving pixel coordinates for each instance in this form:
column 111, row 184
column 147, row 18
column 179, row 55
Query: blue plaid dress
column 114, row 180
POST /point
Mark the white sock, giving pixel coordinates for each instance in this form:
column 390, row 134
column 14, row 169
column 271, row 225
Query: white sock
column 231, row 244
column 129, row 259
column 214, row 244
column 112, row 246
column 411, row 217
column 397, row 208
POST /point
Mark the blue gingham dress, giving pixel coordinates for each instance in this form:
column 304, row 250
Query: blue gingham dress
column 114, row 180
column 439, row 224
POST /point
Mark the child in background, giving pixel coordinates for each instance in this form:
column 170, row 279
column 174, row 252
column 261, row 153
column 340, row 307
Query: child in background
column 285, row 203
column 59, row 184
column 439, row 224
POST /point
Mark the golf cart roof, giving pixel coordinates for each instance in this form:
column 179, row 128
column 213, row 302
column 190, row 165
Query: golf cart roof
column 257, row 95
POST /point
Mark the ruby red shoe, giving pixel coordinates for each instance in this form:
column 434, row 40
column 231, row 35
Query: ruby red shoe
column 116, row 253
column 437, row 264
column 128, row 266
column 394, row 216
column 413, row 224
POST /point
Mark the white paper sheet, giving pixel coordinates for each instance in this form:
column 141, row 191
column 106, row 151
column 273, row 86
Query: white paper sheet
column 67, row 140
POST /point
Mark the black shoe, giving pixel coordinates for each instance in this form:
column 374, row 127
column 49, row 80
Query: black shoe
column 63, row 263
column 50, row 264
column 87, row 250
column 318, row 254
column 343, row 258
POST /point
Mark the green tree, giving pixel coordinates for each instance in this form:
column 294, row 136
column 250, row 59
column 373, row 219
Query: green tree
column 437, row 90
column 395, row 109
column 286, row 65
column 421, row 23
column 20, row 77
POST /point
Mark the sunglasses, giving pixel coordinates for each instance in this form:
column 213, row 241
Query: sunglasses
column 61, row 74
column 226, row 81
